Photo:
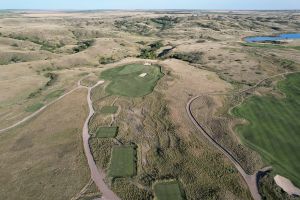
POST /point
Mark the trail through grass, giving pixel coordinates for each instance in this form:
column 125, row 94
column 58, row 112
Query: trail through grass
column 274, row 127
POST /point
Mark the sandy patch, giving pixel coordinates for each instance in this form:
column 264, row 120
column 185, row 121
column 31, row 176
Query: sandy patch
column 286, row 185
column 143, row 75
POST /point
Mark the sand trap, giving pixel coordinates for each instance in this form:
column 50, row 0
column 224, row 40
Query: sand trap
column 143, row 75
column 147, row 64
column 287, row 185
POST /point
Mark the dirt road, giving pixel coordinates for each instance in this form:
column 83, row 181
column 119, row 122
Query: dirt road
column 97, row 175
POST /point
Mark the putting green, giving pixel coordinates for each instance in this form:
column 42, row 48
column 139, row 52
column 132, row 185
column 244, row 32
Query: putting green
column 167, row 191
column 106, row 132
column 122, row 163
column 274, row 128
column 126, row 80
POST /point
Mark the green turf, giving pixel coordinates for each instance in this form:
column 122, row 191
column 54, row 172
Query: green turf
column 109, row 109
column 123, row 162
column 167, row 191
column 54, row 94
column 34, row 107
column 270, row 46
column 274, row 128
column 106, row 132
column 125, row 80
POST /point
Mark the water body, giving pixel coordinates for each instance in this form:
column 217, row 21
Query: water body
column 286, row 36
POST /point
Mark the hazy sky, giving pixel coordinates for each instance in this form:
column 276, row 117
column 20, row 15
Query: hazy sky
column 150, row 4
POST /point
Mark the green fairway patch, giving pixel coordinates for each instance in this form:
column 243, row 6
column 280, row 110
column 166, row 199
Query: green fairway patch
column 123, row 162
column 34, row 107
column 106, row 132
column 274, row 127
column 109, row 109
column 168, row 190
column 55, row 94
column 126, row 80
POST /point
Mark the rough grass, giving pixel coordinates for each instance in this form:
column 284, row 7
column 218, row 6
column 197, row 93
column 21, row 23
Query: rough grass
column 270, row 190
column 122, row 162
column 45, row 153
column 54, row 94
column 109, row 110
column 270, row 46
column 125, row 80
column 34, row 107
column 106, row 132
column 167, row 191
column 274, row 127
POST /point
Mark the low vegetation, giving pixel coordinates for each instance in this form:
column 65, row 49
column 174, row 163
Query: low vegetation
column 150, row 51
column 193, row 57
column 34, row 107
column 109, row 110
column 82, row 45
column 106, row 60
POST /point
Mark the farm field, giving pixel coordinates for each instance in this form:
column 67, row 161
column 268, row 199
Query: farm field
column 126, row 80
column 273, row 128
column 123, row 162
column 167, row 190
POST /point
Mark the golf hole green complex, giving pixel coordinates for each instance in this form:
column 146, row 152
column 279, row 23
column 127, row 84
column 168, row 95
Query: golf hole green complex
column 273, row 129
column 123, row 162
column 134, row 80
column 167, row 190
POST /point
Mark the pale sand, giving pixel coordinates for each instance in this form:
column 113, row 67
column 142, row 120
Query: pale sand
column 286, row 185
column 143, row 75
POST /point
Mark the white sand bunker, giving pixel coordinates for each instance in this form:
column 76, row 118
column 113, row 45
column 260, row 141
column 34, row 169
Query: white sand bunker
column 286, row 185
column 143, row 75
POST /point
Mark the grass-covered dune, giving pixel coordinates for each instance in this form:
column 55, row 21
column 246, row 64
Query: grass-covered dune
column 273, row 128
column 126, row 80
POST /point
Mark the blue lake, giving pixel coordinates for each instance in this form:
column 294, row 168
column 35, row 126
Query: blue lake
column 285, row 36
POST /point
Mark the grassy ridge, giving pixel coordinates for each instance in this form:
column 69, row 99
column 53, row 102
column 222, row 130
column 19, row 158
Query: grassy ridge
column 274, row 127
column 125, row 80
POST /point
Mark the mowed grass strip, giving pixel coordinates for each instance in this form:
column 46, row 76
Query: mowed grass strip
column 109, row 109
column 106, row 132
column 55, row 94
column 125, row 80
column 167, row 190
column 34, row 107
column 123, row 162
column 274, row 127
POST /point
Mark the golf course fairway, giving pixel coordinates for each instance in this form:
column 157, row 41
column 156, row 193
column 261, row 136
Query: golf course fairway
column 273, row 128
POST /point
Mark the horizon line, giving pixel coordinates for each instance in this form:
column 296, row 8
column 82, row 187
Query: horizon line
column 148, row 9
